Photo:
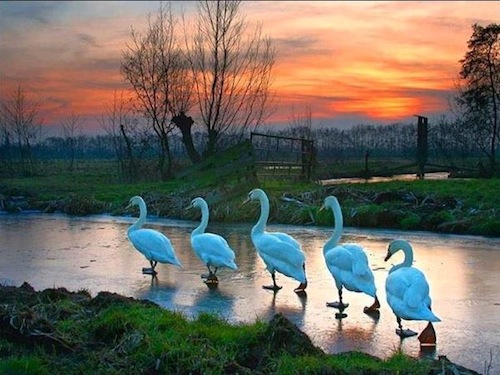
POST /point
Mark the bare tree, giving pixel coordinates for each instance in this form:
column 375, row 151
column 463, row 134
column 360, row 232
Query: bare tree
column 232, row 70
column 70, row 128
column 301, row 123
column 21, row 115
column 118, row 123
column 151, row 65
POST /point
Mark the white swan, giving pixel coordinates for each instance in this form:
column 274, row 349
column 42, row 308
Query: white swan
column 279, row 251
column 212, row 249
column 407, row 293
column 151, row 243
column 347, row 262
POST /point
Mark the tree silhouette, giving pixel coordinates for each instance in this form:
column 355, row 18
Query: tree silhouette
column 478, row 99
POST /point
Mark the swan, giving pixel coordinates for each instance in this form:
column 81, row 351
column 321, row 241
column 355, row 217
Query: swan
column 407, row 293
column 212, row 249
column 155, row 246
column 347, row 263
column 279, row 251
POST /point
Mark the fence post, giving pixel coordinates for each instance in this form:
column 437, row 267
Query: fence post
column 421, row 145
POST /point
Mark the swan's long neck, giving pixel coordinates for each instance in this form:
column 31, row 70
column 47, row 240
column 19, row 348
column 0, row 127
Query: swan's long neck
column 337, row 230
column 204, row 221
column 405, row 247
column 143, row 212
column 260, row 226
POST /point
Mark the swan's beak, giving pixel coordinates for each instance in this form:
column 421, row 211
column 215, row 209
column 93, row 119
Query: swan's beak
column 188, row 207
column 322, row 208
column 389, row 254
column 245, row 201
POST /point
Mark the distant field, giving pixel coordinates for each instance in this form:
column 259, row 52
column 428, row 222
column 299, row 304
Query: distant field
column 450, row 205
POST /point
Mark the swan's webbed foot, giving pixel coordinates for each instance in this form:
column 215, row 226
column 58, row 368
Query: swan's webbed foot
column 428, row 336
column 149, row 271
column 340, row 315
column 338, row 305
column 341, row 306
column 211, row 281
column 301, row 288
column 373, row 308
column 274, row 288
column 404, row 333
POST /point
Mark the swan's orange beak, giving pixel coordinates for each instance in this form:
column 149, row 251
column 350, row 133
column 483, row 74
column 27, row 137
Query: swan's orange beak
column 389, row 254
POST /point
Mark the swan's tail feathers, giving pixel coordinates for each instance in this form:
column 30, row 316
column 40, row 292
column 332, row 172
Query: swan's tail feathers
column 369, row 289
column 176, row 262
column 431, row 317
column 232, row 265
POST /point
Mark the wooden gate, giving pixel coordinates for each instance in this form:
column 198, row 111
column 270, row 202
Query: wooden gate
column 278, row 157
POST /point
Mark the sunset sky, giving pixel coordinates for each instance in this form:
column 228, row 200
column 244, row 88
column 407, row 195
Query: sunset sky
column 372, row 62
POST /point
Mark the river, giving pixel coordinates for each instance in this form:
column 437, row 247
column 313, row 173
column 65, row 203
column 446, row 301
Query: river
column 93, row 253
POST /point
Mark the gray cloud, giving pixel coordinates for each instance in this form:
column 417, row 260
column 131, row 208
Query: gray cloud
column 38, row 12
column 88, row 40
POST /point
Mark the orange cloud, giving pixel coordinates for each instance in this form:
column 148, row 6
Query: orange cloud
column 370, row 60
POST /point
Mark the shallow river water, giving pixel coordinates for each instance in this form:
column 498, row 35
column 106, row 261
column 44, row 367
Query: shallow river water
column 93, row 253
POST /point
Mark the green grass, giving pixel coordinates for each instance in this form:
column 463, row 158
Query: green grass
column 109, row 334
column 451, row 206
column 475, row 193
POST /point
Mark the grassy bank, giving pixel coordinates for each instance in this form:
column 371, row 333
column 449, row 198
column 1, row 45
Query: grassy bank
column 448, row 206
column 58, row 332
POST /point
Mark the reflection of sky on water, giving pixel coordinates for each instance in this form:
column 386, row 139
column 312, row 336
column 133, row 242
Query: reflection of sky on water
column 93, row 253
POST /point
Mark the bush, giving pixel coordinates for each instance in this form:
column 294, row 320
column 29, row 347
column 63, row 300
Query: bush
column 411, row 222
column 82, row 205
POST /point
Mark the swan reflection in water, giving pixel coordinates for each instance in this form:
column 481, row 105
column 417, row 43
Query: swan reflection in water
column 293, row 308
column 160, row 292
column 214, row 301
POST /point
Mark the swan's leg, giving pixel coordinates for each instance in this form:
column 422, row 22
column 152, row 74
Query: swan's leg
column 211, row 279
column 428, row 336
column 403, row 333
column 275, row 286
column 204, row 275
column 400, row 325
column 151, row 270
column 338, row 305
column 374, row 307
column 302, row 286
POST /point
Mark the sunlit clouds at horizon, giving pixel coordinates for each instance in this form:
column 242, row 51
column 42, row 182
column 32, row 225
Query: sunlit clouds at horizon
column 349, row 62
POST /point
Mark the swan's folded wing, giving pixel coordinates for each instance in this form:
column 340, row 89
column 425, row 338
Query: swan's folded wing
column 340, row 258
column 149, row 239
column 286, row 238
column 397, row 284
column 209, row 246
column 273, row 249
column 417, row 293
column 360, row 266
